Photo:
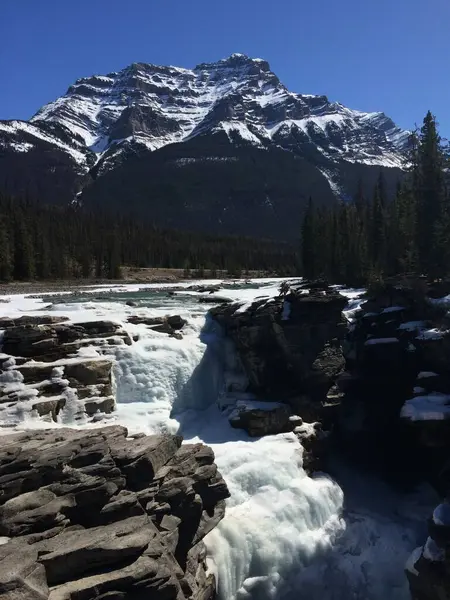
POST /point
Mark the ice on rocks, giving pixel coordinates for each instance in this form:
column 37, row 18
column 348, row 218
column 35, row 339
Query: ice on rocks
column 431, row 334
column 387, row 340
column 390, row 309
column 441, row 515
column 430, row 407
column 413, row 558
column 57, row 372
column 412, row 325
column 425, row 374
column 283, row 530
column 433, row 552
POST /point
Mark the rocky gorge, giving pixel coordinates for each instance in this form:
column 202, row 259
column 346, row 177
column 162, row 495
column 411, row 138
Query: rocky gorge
column 100, row 497
column 377, row 386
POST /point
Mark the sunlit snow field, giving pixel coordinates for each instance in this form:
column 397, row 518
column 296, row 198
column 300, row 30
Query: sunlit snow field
column 285, row 535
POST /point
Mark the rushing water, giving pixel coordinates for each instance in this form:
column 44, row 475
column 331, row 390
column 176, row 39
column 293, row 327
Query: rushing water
column 285, row 535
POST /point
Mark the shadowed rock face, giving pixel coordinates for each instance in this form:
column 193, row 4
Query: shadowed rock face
column 95, row 513
column 289, row 346
column 393, row 395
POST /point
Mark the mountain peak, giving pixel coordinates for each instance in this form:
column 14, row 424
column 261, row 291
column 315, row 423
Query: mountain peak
column 235, row 60
column 237, row 102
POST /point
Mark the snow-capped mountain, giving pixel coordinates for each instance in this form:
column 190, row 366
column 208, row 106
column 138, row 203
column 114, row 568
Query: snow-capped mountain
column 103, row 122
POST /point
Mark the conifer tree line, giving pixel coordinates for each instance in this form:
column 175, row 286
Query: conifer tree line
column 39, row 241
column 368, row 239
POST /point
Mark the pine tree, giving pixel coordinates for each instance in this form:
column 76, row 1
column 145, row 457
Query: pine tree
column 43, row 264
column 359, row 200
column 406, row 217
column 24, row 266
column 377, row 229
column 430, row 193
column 113, row 263
column 6, row 266
column 308, row 242
column 442, row 239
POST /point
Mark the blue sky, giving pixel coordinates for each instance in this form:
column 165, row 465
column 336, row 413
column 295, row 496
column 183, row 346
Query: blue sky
column 389, row 55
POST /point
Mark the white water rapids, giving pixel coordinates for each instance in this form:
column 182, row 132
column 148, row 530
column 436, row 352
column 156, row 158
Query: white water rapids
column 285, row 535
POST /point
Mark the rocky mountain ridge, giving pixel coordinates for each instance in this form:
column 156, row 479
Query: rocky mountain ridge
column 217, row 114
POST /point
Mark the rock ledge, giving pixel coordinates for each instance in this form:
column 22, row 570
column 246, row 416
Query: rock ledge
column 97, row 514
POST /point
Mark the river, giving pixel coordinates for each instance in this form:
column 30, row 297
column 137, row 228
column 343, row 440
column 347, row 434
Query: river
column 285, row 535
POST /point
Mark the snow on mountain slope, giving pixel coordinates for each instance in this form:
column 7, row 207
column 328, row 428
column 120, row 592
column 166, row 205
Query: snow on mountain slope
column 153, row 106
column 23, row 137
column 226, row 111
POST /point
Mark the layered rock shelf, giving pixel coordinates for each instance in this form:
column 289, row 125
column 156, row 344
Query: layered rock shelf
column 97, row 514
column 41, row 368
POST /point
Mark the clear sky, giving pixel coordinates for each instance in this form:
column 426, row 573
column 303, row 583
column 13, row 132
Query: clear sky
column 388, row 55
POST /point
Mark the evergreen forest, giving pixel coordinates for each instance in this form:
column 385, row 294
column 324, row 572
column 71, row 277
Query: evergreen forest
column 351, row 242
column 39, row 241
column 369, row 239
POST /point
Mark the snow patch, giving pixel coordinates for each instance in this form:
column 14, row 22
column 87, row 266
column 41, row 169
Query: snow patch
column 441, row 515
column 426, row 374
column 387, row 340
column 413, row 558
column 430, row 407
column 431, row 551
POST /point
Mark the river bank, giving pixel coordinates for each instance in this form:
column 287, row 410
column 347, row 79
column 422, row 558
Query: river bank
column 130, row 276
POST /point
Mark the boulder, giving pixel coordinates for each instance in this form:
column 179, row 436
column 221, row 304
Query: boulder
column 176, row 322
column 94, row 328
column 150, row 321
column 48, row 342
column 167, row 325
column 427, row 568
column 315, row 443
column 258, row 420
column 51, row 406
column 45, row 387
column 390, row 416
column 435, row 352
column 214, row 300
column 91, row 372
column 163, row 328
